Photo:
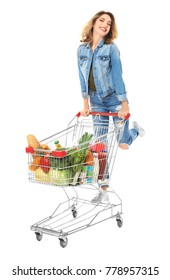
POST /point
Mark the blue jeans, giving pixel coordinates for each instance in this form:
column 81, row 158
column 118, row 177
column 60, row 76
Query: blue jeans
column 110, row 103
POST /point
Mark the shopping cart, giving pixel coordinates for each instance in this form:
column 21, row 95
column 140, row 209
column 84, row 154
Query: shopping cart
column 79, row 159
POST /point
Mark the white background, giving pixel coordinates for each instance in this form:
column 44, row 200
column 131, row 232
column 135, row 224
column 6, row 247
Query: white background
column 40, row 94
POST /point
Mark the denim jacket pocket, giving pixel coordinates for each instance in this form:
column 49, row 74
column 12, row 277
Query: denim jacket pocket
column 104, row 60
column 82, row 59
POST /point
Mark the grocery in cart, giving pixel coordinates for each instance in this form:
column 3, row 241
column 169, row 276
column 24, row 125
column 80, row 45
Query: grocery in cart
column 77, row 160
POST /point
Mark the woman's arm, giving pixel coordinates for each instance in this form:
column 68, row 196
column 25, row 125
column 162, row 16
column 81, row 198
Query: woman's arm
column 86, row 110
column 125, row 109
column 81, row 77
column 118, row 81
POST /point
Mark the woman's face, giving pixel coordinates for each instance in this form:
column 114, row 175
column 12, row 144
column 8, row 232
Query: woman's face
column 102, row 25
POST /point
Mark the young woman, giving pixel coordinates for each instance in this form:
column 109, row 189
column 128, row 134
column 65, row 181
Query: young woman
column 102, row 85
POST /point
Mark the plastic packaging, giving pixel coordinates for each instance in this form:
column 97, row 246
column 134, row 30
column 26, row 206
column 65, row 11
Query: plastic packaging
column 89, row 174
column 83, row 175
column 102, row 164
column 95, row 167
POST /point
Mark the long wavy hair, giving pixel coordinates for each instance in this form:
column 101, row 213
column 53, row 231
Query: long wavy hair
column 87, row 31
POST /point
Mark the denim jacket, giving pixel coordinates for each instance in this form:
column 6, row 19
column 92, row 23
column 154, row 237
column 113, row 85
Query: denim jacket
column 107, row 69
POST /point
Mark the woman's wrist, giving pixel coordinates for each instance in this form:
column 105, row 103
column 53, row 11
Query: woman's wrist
column 86, row 104
column 125, row 104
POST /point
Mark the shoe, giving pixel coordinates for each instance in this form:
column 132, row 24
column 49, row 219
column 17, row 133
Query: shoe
column 101, row 197
column 103, row 183
column 140, row 130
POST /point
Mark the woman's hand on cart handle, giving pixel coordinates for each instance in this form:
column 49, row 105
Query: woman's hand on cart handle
column 85, row 112
column 124, row 114
column 112, row 114
column 124, row 110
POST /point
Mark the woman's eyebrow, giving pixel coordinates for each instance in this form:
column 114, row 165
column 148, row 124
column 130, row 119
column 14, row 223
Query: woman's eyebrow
column 105, row 19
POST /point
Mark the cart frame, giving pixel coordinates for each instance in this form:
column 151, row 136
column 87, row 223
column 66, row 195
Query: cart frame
column 76, row 213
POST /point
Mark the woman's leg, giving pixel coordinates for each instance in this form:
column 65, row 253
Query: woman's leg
column 128, row 136
column 100, row 127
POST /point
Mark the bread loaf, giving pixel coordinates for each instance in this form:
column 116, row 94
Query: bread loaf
column 33, row 142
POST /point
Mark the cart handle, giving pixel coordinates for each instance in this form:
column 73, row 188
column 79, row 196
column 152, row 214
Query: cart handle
column 109, row 114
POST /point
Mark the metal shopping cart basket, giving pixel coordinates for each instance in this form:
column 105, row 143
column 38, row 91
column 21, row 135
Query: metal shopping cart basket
column 78, row 160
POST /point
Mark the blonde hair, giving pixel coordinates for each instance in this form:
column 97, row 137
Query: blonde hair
column 87, row 32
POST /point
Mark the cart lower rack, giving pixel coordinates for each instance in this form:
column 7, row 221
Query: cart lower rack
column 80, row 215
column 78, row 159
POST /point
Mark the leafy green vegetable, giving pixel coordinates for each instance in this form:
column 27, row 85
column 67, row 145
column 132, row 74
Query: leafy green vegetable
column 60, row 163
column 78, row 154
column 61, row 177
column 75, row 156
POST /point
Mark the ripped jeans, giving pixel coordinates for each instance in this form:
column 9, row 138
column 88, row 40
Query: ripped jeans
column 109, row 103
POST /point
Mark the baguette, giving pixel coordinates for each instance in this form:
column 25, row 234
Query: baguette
column 33, row 142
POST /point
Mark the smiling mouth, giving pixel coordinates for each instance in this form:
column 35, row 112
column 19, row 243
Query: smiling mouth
column 103, row 29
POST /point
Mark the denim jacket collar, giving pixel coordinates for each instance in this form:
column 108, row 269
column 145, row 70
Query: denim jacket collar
column 100, row 44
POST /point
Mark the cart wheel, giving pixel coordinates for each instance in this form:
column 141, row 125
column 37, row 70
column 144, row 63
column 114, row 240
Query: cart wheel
column 119, row 223
column 38, row 236
column 119, row 220
column 63, row 242
column 74, row 212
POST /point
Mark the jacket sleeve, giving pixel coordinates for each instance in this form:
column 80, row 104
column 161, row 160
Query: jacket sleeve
column 81, row 77
column 116, row 72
